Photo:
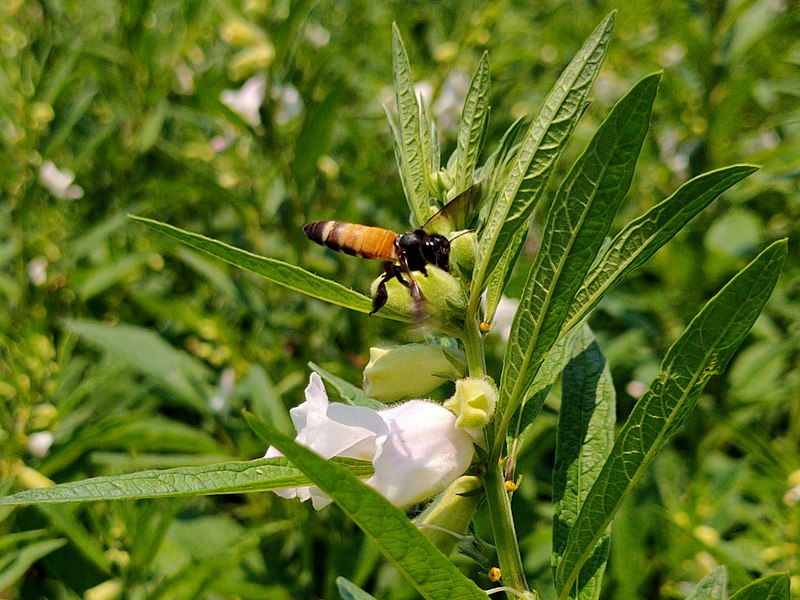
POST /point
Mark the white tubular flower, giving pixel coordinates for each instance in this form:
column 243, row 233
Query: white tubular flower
column 415, row 447
column 247, row 100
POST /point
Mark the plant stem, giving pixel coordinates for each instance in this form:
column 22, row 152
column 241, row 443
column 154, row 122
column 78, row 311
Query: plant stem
column 505, row 538
column 473, row 346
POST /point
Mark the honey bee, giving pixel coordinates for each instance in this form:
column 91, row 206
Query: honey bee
column 401, row 253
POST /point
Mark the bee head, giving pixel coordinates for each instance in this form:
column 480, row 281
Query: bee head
column 437, row 251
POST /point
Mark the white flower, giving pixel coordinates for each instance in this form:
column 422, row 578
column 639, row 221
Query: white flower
column 247, row 100
column 59, row 183
column 415, row 447
column 504, row 317
column 39, row 443
column 37, row 271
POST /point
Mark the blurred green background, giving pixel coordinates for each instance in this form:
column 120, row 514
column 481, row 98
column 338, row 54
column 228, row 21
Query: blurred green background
column 128, row 97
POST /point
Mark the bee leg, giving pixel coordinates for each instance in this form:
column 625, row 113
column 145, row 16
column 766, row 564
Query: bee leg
column 381, row 295
column 413, row 287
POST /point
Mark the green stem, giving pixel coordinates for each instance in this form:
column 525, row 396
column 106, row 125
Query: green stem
column 505, row 538
column 473, row 346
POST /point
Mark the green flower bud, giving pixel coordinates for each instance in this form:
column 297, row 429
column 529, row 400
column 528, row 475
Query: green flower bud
column 410, row 371
column 446, row 519
column 473, row 403
column 463, row 249
column 445, row 305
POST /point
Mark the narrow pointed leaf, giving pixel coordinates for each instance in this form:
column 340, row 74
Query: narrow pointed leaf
column 472, row 125
column 350, row 591
column 538, row 152
column 771, row 587
column 429, row 571
column 15, row 565
column 704, row 349
column 635, row 244
column 224, row 478
column 584, row 440
column 285, row 274
column 409, row 146
column 579, row 219
column 713, row 586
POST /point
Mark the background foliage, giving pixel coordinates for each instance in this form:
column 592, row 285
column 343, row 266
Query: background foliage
column 127, row 95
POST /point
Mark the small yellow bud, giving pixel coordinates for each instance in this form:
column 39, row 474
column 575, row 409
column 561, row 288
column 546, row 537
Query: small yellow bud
column 473, row 403
column 494, row 574
column 511, row 486
column 485, row 327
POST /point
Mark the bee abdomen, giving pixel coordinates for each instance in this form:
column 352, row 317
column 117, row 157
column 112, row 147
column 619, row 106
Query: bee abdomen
column 353, row 239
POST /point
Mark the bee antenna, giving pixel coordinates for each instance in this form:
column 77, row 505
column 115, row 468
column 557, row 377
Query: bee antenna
column 465, row 232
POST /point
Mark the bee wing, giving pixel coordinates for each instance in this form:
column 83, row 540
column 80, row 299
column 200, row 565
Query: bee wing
column 457, row 214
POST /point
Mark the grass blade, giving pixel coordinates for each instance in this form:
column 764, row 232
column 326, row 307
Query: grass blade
column 704, row 348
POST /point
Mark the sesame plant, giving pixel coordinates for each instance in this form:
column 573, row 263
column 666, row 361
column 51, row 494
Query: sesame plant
column 384, row 449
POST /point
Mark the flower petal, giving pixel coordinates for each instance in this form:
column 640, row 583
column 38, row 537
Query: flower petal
column 422, row 452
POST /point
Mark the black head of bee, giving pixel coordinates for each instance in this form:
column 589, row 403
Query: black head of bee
column 420, row 248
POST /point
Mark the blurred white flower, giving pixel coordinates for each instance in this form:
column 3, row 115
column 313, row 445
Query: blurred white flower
column 247, row 100
column 450, row 103
column 289, row 101
column 415, row 447
column 504, row 317
column 37, row 270
column 59, row 183
column 39, row 443
column 220, row 402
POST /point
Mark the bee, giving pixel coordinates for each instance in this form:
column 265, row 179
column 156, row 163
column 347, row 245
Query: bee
column 403, row 253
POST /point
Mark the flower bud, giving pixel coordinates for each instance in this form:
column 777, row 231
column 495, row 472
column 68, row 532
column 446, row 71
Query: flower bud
column 463, row 249
column 412, row 370
column 473, row 403
column 446, row 519
column 446, row 302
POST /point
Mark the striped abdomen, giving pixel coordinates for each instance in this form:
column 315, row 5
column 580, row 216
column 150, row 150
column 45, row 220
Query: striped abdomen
column 353, row 239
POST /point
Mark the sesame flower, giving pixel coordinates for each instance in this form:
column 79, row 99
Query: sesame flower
column 414, row 447
column 247, row 100
column 58, row 182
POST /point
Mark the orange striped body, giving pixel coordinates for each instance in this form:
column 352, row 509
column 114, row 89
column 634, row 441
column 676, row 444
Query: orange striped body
column 354, row 239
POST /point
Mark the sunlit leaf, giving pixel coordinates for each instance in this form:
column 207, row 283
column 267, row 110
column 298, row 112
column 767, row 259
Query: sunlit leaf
column 704, row 349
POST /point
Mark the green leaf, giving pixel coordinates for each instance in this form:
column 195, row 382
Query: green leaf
column 350, row 591
column 14, row 565
column 350, row 393
column 408, row 147
column 713, row 586
column 289, row 276
column 431, row 573
column 223, row 478
column 635, row 244
column 539, row 151
column 771, row 587
column 150, row 354
column 579, row 219
column 584, row 439
column 474, row 118
column 704, row 348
